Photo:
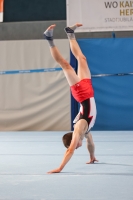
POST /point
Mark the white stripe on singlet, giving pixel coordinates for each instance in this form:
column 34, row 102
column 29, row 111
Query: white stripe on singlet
column 93, row 113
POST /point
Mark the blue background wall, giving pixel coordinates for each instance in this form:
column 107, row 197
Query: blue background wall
column 113, row 94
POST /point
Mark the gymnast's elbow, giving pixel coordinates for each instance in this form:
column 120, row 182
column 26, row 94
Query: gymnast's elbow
column 70, row 151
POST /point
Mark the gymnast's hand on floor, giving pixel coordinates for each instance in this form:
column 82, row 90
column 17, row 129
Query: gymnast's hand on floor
column 92, row 161
column 54, row 171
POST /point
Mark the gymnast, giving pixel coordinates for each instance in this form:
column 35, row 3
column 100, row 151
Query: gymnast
column 82, row 90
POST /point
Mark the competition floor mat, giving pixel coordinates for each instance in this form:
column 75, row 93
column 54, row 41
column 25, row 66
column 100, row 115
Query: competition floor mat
column 26, row 157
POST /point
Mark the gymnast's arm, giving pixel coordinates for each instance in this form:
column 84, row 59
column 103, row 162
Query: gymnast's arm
column 91, row 148
column 68, row 154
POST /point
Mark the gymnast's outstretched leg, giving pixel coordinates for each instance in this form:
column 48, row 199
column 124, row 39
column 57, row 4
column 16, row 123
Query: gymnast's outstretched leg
column 83, row 69
column 69, row 72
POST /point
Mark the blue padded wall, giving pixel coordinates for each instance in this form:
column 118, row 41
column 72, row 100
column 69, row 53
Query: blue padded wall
column 113, row 94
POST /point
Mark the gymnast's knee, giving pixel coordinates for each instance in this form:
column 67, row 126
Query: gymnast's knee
column 66, row 65
column 82, row 58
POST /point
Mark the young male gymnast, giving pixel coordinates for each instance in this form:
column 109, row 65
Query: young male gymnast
column 82, row 91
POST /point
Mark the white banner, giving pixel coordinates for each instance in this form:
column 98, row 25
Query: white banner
column 100, row 15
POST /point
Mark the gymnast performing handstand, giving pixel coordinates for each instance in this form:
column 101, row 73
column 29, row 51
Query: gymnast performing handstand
column 82, row 91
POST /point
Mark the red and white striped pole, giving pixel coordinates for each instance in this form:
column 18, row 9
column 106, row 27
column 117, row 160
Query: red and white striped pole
column 1, row 10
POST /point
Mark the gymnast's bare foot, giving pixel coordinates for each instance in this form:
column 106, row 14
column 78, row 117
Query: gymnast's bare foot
column 51, row 27
column 78, row 24
column 70, row 30
column 48, row 35
column 92, row 161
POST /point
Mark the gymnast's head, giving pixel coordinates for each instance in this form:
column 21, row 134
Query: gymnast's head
column 67, row 139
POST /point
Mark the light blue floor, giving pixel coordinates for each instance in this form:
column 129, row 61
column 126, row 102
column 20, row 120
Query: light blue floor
column 25, row 157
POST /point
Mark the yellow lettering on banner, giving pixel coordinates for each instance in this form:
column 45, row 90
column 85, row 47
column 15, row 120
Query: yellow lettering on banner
column 126, row 4
column 131, row 11
column 131, row 3
column 121, row 4
column 122, row 12
column 126, row 12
